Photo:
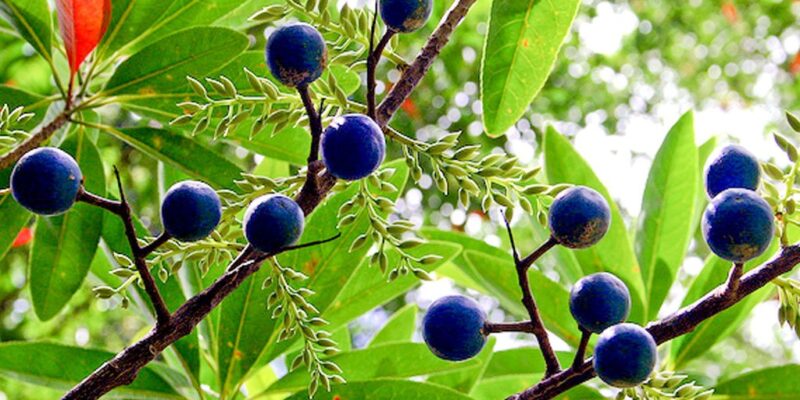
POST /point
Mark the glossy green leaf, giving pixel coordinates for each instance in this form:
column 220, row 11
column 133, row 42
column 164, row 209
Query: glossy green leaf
column 64, row 245
column 32, row 19
column 15, row 217
column 520, row 50
column 371, row 363
column 43, row 364
column 764, row 384
column 715, row 272
column 129, row 20
column 386, row 389
column 506, row 385
column 552, row 299
column 183, row 153
column 464, row 380
column 399, row 328
column 33, row 103
column 165, row 64
column 614, row 252
column 522, row 360
column 667, row 212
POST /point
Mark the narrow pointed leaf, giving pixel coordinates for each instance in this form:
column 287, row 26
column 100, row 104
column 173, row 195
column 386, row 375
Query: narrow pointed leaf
column 82, row 23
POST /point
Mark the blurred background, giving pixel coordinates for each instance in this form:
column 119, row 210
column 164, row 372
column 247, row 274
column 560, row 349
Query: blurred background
column 628, row 70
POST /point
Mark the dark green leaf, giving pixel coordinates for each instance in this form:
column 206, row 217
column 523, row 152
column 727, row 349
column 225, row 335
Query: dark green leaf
column 15, row 217
column 31, row 18
column 164, row 65
column 667, row 212
column 64, row 245
column 33, row 103
column 464, row 380
column 184, row 153
column 61, row 367
column 520, row 51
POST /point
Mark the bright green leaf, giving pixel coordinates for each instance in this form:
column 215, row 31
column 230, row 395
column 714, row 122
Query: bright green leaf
column 31, row 18
column 386, row 389
column 519, row 53
column 399, row 328
column 764, row 384
column 667, row 212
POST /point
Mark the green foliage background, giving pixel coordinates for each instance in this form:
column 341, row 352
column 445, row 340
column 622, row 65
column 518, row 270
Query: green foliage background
column 701, row 54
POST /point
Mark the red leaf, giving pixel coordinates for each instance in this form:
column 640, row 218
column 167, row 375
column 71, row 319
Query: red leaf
column 83, row 23
column 23, row 237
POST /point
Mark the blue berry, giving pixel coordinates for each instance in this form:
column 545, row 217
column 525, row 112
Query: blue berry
column 190, row 211
column 738, row 225
column 273, row 222
column 625, row 355
column 352, row 147
column 579, row 217
column 732, row 167
column 598, row 301
column 405, row 15
column 296, row 54
column 453, row 328
column 46, row 181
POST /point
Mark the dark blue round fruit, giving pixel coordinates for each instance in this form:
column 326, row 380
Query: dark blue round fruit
column 296, row 54
column 579, row 217
column 405, row 15
column 273, row 222
column 732, row 167
column 738, row 225
column 625, row 355
column 453, row 328
column 190, row 211
column 598, row 301
column 352, row 147
column 46, row 181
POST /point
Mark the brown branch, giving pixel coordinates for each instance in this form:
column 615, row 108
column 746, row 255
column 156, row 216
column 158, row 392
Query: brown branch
column 164, row 237
column 125, row 366
column 524, row 326
column 123, row 210
column 679, row 323
column 537, row 325
column 417, row 69
column 314, row 122
column 34, row 141
column 372, row 65
column 580, row 354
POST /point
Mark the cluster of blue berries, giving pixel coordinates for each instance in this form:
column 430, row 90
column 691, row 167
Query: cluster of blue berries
column 738, row 224
column 454, row 328
column 46, row 181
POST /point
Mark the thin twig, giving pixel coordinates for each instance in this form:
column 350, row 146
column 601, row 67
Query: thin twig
column 314, row 121
column 373, row 59
column 524, row 326
column 732, row 284
column 580, row 354
column 164, row 237
column 528, row 300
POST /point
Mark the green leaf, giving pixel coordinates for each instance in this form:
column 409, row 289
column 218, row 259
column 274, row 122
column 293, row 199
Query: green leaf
column 32, row 19
column 764, row 384
column 464, row 380
column 667, row 212
column 522, row 360
column 507, row 385
column 15, row 217
column 520, row 50
column 377, row 362
column 500, row 275
column 64, row 245
column 399, row 328
column 386, row 389
column 61, row 367
column 710, row 332
column 165, row 64
column 614, row 252
column 184, row 153
column 129, row 20
column 32, row 102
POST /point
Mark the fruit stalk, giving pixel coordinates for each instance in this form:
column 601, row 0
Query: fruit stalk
column 679, row 323
column 125, row 366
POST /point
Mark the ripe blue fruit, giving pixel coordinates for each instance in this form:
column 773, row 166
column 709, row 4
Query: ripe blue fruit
column 732, row 167
column 46, row 181
column 352, row 147
column 273, row 222
column 625, row 355
column 579, row 217
column 453, row 328
column 296, row 54
column 738, row 225
column 598, row 301
column 405, row 15
column 190, row 211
